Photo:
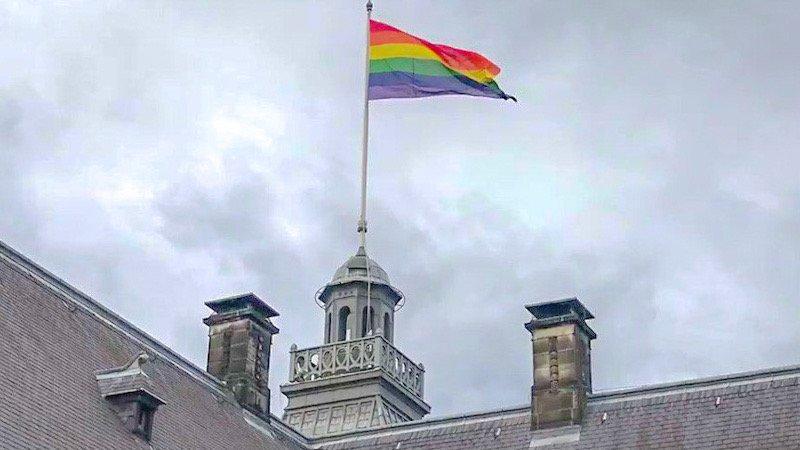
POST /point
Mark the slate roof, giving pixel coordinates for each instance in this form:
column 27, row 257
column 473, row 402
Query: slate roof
column 54, row 340
column 754, row 410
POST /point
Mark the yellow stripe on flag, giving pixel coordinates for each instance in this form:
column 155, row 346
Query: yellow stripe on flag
column 415, row 51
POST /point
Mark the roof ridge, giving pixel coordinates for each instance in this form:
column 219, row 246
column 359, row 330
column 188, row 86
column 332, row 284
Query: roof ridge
column 699, row 383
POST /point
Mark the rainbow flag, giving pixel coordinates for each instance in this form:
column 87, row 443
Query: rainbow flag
column 405, row 66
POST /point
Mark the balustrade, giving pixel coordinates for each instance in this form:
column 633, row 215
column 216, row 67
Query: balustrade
column 357, row 355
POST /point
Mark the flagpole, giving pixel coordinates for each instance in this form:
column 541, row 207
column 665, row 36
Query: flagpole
column 362, row 221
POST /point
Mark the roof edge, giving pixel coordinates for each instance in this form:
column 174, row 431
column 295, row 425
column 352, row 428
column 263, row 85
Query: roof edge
column 73, row 294
column 67, row 292
column 432, row 422
column 612, row 395
column 698, row 383
column 277, row 424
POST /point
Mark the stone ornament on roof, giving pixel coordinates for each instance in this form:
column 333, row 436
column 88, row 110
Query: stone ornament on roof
column 130, row 395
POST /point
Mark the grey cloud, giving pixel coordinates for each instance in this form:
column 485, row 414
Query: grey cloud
column 650, row 168
column 235, row 216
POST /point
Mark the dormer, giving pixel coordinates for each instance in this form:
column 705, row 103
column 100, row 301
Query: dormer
column 129, row 393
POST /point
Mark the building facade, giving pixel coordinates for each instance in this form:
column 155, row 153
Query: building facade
column 73, row 374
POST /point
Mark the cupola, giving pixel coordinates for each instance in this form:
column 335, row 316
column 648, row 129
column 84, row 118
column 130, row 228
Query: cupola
column 357, row 379
column 348, row 314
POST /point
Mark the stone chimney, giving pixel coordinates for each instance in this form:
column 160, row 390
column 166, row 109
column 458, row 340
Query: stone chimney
column 562, row 368
column 239, row 341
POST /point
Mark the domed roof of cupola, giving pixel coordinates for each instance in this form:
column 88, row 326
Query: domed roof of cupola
column 355, row 268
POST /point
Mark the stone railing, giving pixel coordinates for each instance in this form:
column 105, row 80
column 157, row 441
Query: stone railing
column 358, row 355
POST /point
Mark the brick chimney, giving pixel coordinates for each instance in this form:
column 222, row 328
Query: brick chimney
column 562, row 368
column 239, row 341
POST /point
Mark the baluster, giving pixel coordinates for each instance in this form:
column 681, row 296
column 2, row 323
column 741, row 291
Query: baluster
column 369, row 352
column 304, row 368
column 313, row 364
column 421, row 380
column 379, row 354
column 349, row 356
column 358, row 355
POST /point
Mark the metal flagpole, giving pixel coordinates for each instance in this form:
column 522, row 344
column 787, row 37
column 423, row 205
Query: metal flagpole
column 362, row 221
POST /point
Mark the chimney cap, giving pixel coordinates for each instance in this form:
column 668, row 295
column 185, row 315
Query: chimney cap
column 556, row 308
column 241, row 301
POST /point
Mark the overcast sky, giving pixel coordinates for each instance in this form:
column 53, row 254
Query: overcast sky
column 161, row 154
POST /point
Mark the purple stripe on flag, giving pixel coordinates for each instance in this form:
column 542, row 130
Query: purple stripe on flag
column 412, row 85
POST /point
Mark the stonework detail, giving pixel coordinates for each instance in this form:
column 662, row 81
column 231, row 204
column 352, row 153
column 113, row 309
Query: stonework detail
column 369, row 353
column 553, row 354
column 240, row 335
column 344, row 417
column 559, row 388
column 130, row 393
column 561, row 363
